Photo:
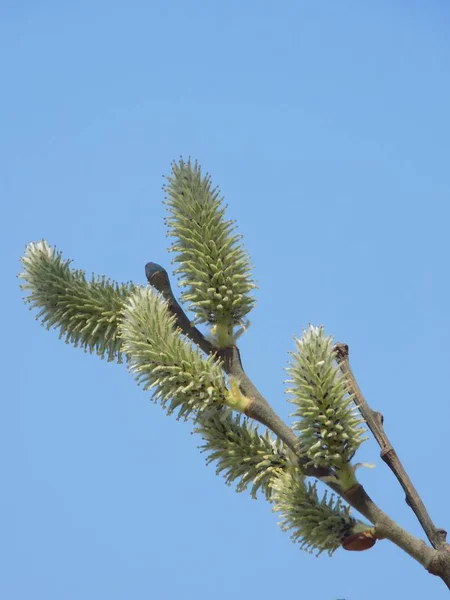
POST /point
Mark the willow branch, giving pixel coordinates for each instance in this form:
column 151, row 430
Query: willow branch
column 388, row 454
column 436, row 561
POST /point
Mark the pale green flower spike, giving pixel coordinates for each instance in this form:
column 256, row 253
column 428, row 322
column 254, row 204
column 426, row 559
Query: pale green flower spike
column 163, row 360
column 241, row 452
column 318, row 525
column 86, row 312
column 329, row 427
column 212, row 263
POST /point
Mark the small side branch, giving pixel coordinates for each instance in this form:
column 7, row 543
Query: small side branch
column 388, row 454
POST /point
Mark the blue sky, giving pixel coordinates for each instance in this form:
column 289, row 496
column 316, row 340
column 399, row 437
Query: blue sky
column 326, row 126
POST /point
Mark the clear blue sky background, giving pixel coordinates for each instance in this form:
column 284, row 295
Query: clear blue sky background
column 326, row 125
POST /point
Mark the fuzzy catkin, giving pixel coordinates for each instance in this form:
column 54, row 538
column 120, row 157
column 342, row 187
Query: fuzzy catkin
column 212, row 264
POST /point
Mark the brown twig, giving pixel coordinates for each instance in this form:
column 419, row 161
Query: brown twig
column 388, row 454
column 436, row 561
